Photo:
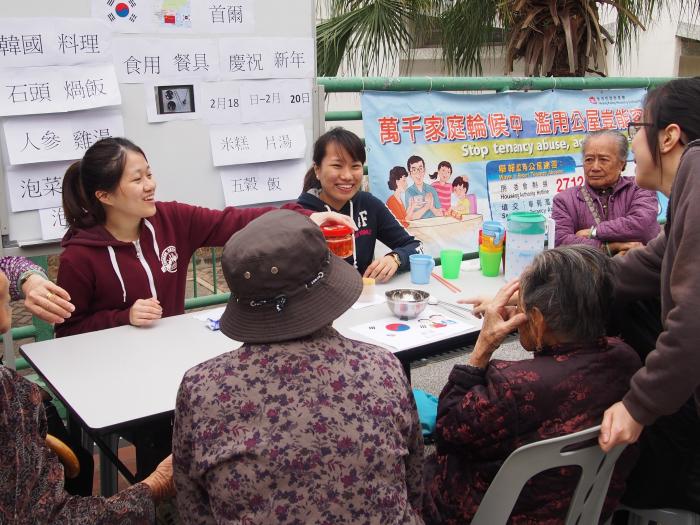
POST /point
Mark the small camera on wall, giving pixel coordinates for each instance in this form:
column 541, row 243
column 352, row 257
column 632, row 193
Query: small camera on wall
column 175, row 99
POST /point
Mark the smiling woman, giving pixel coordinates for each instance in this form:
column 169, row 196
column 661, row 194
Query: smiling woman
column 125, row 254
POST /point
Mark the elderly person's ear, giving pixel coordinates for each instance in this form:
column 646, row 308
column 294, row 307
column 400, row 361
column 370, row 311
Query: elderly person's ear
column 533, row 333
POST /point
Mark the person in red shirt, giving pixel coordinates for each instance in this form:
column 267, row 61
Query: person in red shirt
column 125, row 254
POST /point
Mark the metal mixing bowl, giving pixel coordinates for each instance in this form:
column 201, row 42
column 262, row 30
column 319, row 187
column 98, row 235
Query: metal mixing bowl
column 405, row 303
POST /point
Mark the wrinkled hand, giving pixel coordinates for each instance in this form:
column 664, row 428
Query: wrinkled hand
column 624, row 247
column 46, row 300
column 479, row 304
column 500, row 319
column 5, row 312
column 331, row 217
column 144, row 312
column 584, row 233
column 618, row 427
column 161, row 480
column 382, row 269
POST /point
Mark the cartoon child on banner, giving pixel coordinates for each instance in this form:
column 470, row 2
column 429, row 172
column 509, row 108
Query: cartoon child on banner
column 442, row 184
column 464, row 204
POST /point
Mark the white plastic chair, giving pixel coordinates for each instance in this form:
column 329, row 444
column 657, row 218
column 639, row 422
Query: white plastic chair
column 529, row 460
column 661, row 516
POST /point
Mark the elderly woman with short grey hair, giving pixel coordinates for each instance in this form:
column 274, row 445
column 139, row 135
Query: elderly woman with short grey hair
column 489, row 408
column 608, row 211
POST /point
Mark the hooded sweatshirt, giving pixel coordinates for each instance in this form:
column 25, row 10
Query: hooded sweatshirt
column 374, row 221
column 105, row 276
column 668, row 266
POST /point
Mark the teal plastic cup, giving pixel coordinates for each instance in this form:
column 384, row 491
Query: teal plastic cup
column 490, row 262
column 451, row 261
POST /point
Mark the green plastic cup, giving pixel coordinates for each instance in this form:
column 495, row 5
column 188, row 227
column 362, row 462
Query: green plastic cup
column 490, row 262
column 451, row 261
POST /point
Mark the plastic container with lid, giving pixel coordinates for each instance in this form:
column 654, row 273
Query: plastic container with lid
column 339, row 239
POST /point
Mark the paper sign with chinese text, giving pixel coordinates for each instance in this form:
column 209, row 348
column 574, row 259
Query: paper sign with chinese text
column 249, row 143
column 247, row 58
column 224, row 16
column 38, row 90
column 53, row 223
column 28, row 42
column 36, row 186
column 270, row 100
column 260, row 183
column 45, row 138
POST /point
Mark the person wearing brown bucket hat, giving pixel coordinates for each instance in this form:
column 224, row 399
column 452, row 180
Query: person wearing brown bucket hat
column 299, row 425
column 284, row 281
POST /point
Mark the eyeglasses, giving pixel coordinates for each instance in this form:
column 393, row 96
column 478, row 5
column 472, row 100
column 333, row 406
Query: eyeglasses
column 634, row 127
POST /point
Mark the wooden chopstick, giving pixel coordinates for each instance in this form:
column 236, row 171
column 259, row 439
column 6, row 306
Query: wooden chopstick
column 447, row 284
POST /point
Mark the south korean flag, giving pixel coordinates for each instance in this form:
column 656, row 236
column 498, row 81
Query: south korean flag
column 123, row 16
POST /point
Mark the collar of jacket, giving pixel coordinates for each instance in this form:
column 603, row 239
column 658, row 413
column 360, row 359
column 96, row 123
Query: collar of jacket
column 621, row 184
column 599, row 344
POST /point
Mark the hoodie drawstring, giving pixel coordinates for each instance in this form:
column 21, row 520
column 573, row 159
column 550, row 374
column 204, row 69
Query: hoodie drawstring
column 153, row 234
column 115, row 266
column 352, row 217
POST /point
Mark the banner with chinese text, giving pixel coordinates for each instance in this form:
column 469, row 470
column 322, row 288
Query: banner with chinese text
column 488, row 155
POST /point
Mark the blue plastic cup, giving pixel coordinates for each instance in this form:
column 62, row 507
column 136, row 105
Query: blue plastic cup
column 421, row 267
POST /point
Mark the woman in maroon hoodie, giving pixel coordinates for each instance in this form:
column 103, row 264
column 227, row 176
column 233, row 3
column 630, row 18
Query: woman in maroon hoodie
column 125, row 255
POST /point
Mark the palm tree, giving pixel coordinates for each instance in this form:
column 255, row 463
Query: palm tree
column 552, row 37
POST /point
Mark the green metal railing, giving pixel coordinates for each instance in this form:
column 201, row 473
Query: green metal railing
column 41, row 331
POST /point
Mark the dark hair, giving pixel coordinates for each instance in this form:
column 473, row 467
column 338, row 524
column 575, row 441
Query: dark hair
column 343, row 139
column 396, row 173
column 412, row 160
column 100, row 169
column 443, row 164
column 460, row 181
column 573, row 287
column 673, row 103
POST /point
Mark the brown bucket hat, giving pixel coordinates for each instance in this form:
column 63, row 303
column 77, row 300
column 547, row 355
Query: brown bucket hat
column 285, row 283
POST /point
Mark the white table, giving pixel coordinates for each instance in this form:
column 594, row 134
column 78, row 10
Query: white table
column 117, row 378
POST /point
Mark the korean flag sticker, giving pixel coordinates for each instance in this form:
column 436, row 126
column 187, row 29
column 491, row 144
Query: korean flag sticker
column 123, row 16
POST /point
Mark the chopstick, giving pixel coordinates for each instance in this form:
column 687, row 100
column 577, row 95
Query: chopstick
column 446, row 283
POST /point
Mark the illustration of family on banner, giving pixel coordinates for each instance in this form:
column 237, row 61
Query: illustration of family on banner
column 443, row 163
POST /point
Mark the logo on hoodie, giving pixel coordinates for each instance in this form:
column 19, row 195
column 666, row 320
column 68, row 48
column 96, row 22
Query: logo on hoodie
column 168, row 260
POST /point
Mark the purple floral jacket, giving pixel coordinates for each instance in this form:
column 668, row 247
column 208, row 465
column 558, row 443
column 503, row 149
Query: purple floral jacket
column 632, row 215
column 317, row 430
column 13, row 268
column 31, row 478
column 484, row 415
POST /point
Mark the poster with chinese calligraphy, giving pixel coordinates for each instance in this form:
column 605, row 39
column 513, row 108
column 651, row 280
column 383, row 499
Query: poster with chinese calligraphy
column 35, row 186
column 53, row 223
column 224, row 16
column 259, row 183
column 140, row 60
column 38, row 90
column 270, row 100
column 124, row 16
column 29, row 42
column 45, row 138
column 439, row 157
column 250, row 143
column 248, row 58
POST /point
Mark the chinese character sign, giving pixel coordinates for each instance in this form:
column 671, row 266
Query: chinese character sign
column 38, row 90
column 44, row 138
column 246, row 58
column 36, row 186
column 53, row 223
column 250, row 143
column 512, row 151
column 225, row 16
column 28, row 42
column 140, row 60
column 269, row 100
column 256, row 183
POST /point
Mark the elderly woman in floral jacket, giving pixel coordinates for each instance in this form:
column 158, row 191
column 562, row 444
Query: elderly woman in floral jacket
column 489, row 409
column 299, row 425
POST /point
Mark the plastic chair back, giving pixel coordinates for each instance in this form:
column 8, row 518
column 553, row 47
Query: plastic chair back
column 66, row 456
column 661, row 516
column 580, row 448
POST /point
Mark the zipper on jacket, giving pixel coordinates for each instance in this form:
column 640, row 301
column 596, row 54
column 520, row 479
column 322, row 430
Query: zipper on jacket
column 142, row 260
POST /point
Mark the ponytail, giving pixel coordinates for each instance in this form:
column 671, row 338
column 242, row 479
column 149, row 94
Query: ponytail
column 310, row 180
column 100, row 169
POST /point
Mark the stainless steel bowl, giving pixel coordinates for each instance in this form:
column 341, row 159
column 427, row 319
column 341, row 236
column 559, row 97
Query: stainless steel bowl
column 405, row 303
